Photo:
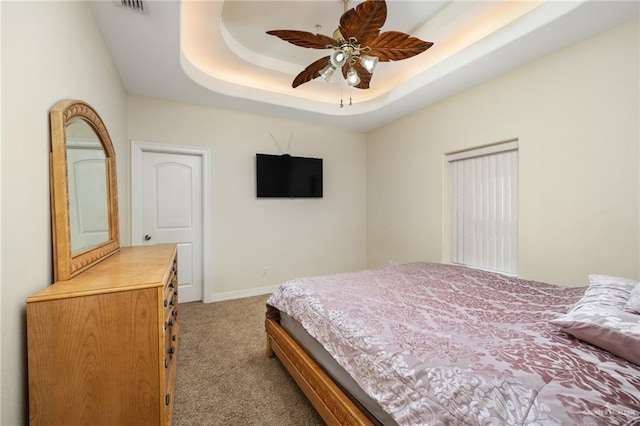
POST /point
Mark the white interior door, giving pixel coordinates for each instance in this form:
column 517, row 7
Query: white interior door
column 172, row 213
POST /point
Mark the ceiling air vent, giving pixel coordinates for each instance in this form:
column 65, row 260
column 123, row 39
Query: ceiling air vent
column 136, row 5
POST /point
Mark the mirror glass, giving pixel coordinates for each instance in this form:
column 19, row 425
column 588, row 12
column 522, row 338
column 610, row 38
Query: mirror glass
column 84, row 200
column 87, row 174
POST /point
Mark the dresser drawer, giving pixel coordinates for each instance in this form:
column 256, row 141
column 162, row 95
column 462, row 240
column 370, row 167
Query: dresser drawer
column 171, row 365
column 171, row 333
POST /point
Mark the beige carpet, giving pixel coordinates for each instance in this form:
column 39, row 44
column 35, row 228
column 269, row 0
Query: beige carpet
column 224, row 377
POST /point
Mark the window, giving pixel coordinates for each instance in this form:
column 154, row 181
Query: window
column 484, row 207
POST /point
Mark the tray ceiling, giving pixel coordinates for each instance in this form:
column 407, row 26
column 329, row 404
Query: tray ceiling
column 217, row 53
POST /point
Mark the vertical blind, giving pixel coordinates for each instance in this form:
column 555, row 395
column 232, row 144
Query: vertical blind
column 484, row 207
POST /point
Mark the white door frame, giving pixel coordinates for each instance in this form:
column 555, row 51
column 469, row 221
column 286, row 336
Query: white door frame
column 137, row 149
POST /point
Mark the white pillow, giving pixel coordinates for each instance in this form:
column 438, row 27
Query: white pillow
column 633, row 304
column 607, row 290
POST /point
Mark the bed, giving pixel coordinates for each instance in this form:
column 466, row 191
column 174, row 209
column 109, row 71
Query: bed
column 434, row 344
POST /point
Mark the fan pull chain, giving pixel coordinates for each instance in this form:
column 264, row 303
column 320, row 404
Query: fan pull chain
column 341, row 99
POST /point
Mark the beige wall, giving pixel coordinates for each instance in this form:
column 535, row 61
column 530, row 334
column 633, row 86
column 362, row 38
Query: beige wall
column 576, row 116
column 50, row 51
column 290, row 237
column 1, row 327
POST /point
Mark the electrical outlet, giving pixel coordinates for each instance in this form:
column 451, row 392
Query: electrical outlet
column 265, row 271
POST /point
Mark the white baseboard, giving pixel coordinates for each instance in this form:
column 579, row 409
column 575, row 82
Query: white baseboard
column 230, row 295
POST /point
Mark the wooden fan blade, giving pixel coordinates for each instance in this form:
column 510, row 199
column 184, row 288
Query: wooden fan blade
column 364, row 21
column 395, row 46
column 310, row 72
column 365, row 76
column 304, row 38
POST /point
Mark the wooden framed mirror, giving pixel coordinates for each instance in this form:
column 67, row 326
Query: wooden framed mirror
column 84, row 197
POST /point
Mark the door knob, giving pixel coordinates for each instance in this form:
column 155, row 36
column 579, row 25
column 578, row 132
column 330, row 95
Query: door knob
column 147, row 237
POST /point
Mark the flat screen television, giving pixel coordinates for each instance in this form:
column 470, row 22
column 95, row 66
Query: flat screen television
column 284, row 176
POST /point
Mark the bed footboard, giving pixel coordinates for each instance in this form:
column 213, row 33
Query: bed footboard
column 333, row 405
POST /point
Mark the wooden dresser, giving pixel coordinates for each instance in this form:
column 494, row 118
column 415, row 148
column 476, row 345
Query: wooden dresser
column 102, row 346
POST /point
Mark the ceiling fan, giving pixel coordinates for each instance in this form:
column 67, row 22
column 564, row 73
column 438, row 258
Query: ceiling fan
column 357, row 45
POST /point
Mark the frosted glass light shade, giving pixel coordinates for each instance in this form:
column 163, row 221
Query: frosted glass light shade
column 369, row 62
column 327, row 72
column 338, row 58
column 352, row 77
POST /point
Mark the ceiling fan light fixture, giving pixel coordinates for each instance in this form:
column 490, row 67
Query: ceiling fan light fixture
column 353, row 79
column 327, row 72
column 369, row 62
column 338, row 58
column 357, row 42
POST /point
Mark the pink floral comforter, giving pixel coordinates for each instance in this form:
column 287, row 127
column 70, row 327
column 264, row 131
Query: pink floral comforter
column 440, row 344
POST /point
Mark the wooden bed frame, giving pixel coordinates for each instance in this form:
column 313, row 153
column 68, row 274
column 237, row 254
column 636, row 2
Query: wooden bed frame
column 333, row 405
